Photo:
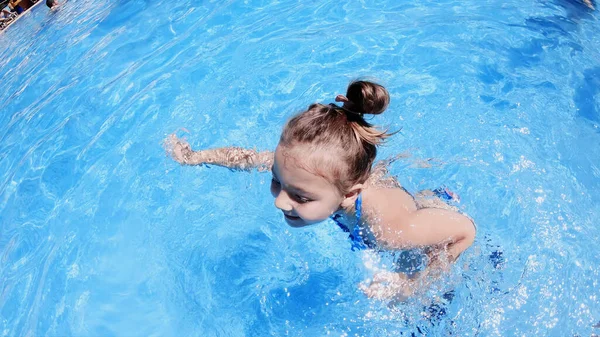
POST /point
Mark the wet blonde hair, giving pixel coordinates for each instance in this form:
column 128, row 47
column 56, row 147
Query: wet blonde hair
column 342, row 131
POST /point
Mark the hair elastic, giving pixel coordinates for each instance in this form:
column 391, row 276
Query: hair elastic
column 346, row 101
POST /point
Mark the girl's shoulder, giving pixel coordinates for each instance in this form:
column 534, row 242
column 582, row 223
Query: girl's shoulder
column 386, row 200
column 386, row 211
column 396, row 221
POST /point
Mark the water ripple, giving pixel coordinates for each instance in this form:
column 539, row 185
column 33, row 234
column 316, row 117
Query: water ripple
column 102, row 234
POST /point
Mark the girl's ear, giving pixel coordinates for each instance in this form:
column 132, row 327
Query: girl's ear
column 350, row 197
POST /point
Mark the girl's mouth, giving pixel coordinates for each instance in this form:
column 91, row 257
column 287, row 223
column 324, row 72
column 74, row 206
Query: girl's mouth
column 291, row 217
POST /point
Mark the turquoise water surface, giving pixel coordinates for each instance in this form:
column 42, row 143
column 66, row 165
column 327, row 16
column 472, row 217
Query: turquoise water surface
column 102, row 234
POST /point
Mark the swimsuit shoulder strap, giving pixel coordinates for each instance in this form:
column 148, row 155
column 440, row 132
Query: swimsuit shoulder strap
column 358, row 241
column 358, row 207
column 356, row 234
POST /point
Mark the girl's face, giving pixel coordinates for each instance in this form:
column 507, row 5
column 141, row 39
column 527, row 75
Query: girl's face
column 304, row 197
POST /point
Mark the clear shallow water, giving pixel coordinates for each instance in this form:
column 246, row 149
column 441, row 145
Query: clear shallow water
column 102, row 234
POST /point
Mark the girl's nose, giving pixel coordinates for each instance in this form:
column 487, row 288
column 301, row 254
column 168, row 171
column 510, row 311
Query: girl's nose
column 282, row 201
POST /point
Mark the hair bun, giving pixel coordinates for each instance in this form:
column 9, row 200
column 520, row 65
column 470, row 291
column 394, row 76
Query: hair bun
column 367, row 97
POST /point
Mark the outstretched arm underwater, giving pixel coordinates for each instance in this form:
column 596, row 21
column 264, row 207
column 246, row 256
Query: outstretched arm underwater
column 236, row 158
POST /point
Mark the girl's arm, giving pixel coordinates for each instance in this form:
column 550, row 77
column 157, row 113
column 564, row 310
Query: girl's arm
column 440, row 229
column 445, row 233
column 231, row 157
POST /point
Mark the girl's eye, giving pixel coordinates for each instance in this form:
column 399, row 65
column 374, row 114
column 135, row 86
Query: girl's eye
column 274, row 181
column 302, row 200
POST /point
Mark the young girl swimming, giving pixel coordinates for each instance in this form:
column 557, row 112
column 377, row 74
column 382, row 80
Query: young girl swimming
column 323, row 168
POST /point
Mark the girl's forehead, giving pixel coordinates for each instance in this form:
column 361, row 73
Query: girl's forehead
column 291, row 159
column 304, row 162
column 292, row 150
column 297, row 158
column 305, row 152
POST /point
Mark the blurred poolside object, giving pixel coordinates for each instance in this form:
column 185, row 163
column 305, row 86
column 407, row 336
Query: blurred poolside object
column 13, row 9
column 25, row 4
column 7, row 14
column 589, row 3
column 5, row 21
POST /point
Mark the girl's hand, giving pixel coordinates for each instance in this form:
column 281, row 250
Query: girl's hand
column 389, row 285
column 179, row 149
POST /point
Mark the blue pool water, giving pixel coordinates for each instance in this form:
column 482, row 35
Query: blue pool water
column 101, row 234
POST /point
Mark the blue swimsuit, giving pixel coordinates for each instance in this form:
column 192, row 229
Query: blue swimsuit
column 356, row 236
